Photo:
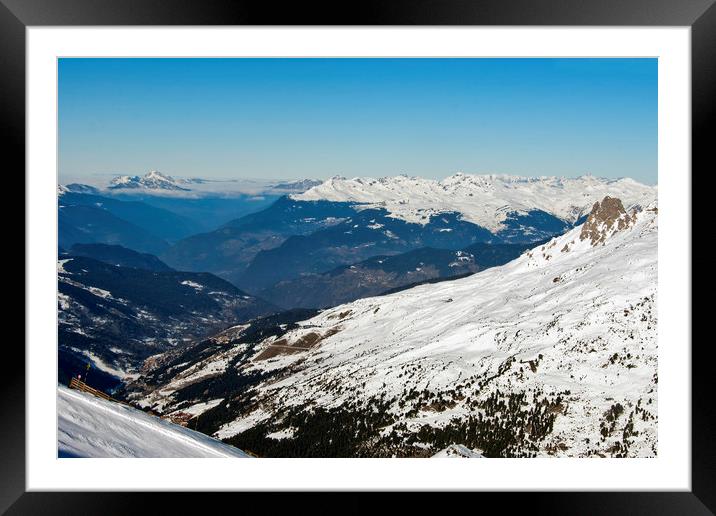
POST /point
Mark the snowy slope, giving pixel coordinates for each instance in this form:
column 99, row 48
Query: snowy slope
column 485, row 200
column 92, row 427
column 552, row 354
column 457, row 451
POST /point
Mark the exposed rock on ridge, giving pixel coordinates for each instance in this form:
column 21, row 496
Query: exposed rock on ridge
column 605, row 218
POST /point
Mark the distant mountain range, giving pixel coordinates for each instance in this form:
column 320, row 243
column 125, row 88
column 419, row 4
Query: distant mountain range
column 155, row 183
column 494, row 202
column 156, row 209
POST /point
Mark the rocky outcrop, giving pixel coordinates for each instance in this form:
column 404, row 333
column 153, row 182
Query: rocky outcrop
column 606, row 217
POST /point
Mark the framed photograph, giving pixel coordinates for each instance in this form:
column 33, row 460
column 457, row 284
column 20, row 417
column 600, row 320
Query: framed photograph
column 348, row 249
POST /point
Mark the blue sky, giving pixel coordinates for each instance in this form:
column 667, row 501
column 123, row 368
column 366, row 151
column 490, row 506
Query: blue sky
column 295, row 118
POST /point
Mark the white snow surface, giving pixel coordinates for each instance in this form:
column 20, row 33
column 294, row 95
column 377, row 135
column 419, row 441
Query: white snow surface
column 199, row 408
column 485, row 200
column 458, row 451
column 92, row 427
column 61, row 265
column 194, row 285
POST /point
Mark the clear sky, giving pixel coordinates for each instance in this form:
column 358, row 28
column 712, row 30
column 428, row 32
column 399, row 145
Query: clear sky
column 296, row 118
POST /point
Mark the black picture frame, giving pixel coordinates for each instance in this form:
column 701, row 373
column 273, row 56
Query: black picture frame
column 700, row 15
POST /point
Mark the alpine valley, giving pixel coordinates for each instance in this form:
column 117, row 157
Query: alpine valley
column 474, row 316
column 345, row 221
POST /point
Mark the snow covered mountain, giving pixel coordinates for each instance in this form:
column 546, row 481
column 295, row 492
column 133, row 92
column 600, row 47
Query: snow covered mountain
column 152, row 180
column 92, row 427
column 485, row 200
column 552, row 354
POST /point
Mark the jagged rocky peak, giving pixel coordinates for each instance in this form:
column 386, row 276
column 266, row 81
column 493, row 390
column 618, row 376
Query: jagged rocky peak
column 606, row 217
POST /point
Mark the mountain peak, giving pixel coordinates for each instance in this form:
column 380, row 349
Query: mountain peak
column 155, row 174
column 152, row 180
column 606, row 217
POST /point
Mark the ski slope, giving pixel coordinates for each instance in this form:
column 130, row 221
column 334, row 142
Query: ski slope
column 91, row 427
